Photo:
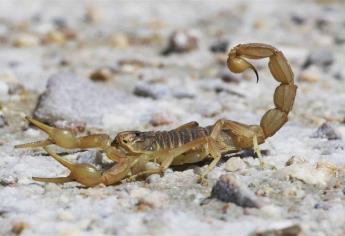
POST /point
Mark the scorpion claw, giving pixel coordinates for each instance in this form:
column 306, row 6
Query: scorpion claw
column 85, row 174
column 60, row 137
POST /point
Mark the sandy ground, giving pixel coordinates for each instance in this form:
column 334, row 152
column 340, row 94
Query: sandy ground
column 53, row 48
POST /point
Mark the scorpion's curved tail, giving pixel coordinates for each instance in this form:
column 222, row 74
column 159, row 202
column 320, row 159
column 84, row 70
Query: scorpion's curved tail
column 284, row 94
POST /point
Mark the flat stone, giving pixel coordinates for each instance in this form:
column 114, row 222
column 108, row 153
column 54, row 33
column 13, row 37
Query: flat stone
column 327, row 131
column 76, row 99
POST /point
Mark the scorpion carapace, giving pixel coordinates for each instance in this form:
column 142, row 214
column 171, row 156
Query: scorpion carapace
column 132, row 150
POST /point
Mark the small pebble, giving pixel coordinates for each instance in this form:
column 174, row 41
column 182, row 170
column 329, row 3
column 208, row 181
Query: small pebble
column 26, row 40
column 19, row 227
column 220, row 46
column 3, row 121
column 323, row 206
column 103, row 74
column 59, row 22
column 295, row 160
column 53, row 37
column 183, row 94
column 271, row 211
column 340, row 75
column 230, row 77
column 153, row 179
column 153, row 199
column 93, row 15
column 159, row 120
column 234, row 164
column 326, row 131
column 181, row 41
column 119, row 41
column 298, row 19
column 322, row 57
column 339, row 38
column 310, row 75
column 229, row 189
column 145, row 90
column 293, row 230
column 65, row 215
column 8, row 180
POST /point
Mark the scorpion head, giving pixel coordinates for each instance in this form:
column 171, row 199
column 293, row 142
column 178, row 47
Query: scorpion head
column 130, row 141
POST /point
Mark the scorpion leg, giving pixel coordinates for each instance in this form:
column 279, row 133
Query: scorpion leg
column 257, row 150
column 66, row 139
column 169, row 156
column 192, row 156
column 87, row 174
column 213, row 150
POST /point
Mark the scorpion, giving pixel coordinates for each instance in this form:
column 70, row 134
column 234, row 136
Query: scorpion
column 130, row 151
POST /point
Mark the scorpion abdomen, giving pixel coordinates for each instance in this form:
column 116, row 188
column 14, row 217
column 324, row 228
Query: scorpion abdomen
column 162, row 140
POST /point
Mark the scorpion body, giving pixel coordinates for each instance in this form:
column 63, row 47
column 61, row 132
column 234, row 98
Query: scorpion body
column 132, row 150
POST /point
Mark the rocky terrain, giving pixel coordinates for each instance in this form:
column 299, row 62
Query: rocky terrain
column 110, row 66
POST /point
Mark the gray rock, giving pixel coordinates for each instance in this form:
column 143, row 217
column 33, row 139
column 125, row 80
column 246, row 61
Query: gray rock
column 153, row 179
column 150, row 91
column 321, row 57
column 340, row 38
column 3, row 121
column 230, row 77
column 340, row 75
column 220, row 46
column 228, row 189
column 181, row 41
column 73, row 98
column 8, row 180
column 298, row 19
column 323, row 206
column 326, row 131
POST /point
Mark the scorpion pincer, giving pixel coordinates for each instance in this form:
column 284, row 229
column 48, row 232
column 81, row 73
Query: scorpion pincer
column 132, row 150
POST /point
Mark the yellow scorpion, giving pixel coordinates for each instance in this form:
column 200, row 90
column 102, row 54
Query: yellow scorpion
column 132, row 150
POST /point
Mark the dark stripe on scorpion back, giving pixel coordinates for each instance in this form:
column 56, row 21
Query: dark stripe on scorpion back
column 163, row 140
